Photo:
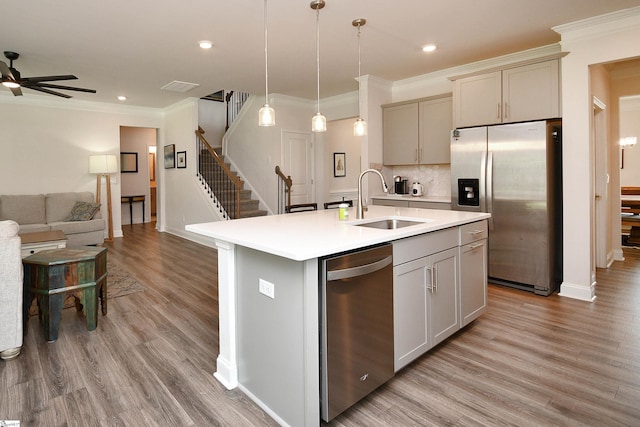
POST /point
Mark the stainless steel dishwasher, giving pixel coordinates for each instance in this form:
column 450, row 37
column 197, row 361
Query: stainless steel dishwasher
column 356, row 332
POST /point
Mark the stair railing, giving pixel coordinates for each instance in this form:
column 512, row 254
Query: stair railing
column 235, row 101
column 284, row 190
column 222, row 185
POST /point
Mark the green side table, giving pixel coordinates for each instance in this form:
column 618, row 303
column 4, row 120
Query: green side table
column 50, row 274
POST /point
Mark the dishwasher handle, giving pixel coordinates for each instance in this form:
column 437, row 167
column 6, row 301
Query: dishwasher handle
column 347, row 273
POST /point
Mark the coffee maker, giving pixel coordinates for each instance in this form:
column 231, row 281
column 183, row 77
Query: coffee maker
column 400, row 185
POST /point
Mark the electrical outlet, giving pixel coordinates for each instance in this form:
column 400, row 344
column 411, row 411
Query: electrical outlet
column 267, row 288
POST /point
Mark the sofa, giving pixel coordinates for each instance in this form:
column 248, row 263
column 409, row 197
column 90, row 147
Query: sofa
column 66, row 212
column 10, row 291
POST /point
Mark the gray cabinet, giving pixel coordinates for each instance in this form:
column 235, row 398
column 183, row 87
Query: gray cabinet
column 417, row 132
column 528, row 92
column 473, row 271
column 425, row 293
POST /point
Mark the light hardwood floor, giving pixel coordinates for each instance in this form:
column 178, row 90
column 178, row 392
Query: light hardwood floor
column 530, row 360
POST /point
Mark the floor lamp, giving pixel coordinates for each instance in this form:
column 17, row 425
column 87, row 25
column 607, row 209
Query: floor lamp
column 104, row 165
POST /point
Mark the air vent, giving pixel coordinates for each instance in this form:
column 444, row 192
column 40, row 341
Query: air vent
column 177, row 86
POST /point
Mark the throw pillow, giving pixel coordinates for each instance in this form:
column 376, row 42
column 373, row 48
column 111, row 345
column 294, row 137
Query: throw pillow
column 82, row 211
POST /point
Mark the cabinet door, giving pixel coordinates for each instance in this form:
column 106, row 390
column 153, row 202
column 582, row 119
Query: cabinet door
column 443, row 295
column 410, row 326
column 435, row 124
column 473, row 281
column 531, row 92
column 477, row 100
column 400, row 134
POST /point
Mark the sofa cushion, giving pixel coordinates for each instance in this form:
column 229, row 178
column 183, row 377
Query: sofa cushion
column 23, row 209
column 58, row 205
column 74, row 227
column 82, row 211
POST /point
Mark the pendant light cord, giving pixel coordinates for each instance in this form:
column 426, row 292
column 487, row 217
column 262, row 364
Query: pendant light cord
column 359, row 116
column 266, row 67
column 318, row 55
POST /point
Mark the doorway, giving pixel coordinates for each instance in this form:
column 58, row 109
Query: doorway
column 138, row 183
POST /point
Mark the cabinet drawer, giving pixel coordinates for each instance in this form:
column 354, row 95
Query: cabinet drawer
column 473, row 232
column 415, row 247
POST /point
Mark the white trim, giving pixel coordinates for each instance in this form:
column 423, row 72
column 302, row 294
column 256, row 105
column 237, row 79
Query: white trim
column 227, row 361
column 599, row 26
column 618, row 255
column 572, row 290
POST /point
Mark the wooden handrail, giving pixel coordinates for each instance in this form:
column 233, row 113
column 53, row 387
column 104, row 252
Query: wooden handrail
column 288, row 182
column 224, row 185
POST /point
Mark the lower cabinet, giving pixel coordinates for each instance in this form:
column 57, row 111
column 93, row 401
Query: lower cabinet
column 425, row 294
column 473, row 281
column 439, row 286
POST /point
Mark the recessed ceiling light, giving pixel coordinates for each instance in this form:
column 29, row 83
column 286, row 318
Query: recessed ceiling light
column 205, row 44
column 429, row 48
column 122, row 98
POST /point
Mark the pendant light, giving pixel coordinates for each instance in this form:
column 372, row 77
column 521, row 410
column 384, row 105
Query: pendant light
column 266, row 115
column 318, row 122
column 360, row 126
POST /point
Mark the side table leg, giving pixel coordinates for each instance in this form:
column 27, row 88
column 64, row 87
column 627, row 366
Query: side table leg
column 90, row 302
column 51, row 309
column 102, row 291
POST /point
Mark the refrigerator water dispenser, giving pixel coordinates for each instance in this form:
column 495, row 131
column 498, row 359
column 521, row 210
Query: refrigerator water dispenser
column 469, row 192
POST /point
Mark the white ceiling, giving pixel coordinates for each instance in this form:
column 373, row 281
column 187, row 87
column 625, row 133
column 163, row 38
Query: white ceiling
column 135, row 47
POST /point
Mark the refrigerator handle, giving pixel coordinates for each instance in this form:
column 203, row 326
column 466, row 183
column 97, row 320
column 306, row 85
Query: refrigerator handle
column 482, row 185
column 489, row 173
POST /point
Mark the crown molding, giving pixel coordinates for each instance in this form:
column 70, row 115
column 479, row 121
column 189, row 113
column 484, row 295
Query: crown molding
column 600, row 25
column 30, row 100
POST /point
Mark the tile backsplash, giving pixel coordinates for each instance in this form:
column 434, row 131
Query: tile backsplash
column 436, row 179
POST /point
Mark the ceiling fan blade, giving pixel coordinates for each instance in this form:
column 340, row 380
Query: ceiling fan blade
column 47, row 85
column 6, row 72
column 47, row 78
column 16, row 91
column 50, row 92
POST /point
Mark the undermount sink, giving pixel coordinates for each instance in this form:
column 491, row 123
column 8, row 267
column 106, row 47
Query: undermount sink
column 391, row 223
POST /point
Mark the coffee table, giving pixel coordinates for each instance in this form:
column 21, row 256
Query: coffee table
column 42, row 240
column 50, row 274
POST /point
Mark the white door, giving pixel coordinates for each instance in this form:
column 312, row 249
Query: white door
column 297, row 162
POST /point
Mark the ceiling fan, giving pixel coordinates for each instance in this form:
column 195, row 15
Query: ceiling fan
column 11, row 79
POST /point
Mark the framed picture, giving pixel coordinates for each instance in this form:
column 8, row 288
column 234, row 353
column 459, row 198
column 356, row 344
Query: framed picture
column 170, row 156
column 128, row 162
column 181, row 158
column 339, row 164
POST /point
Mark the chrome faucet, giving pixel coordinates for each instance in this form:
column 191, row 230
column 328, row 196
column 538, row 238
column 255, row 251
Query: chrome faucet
column 361, row 205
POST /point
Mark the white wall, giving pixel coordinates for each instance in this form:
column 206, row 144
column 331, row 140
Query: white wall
column 630, row 126
column 45, row 144
column 255, row 151
column 339, row 139
column 182, row 200
column 212, row 117
column 589, row 42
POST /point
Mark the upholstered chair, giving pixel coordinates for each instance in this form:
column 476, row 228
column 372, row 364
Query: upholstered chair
column 10, row 291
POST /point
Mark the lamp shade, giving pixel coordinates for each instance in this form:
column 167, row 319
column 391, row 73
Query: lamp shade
column 103, row 163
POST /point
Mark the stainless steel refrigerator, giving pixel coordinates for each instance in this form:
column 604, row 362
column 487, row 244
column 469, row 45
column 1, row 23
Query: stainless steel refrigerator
column 513, row 171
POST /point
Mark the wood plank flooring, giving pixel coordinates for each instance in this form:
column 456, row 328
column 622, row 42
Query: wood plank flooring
column 530, row 360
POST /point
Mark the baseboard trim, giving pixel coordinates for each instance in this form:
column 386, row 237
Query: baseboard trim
column 575, row 291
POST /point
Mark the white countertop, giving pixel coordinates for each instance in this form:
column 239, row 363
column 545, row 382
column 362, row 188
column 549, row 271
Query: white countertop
column 306, row 235
column 434, row 199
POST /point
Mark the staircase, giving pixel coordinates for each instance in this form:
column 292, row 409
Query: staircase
column 213, row 178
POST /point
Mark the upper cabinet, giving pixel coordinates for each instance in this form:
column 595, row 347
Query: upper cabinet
column 417, row 132
column 528, row 92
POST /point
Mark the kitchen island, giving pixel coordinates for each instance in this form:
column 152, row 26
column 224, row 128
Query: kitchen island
column 268, row 295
